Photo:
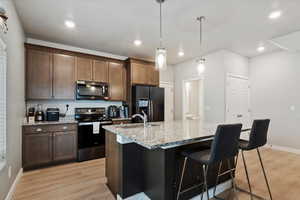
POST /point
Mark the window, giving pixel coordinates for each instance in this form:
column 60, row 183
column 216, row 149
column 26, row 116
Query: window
column 2, row 103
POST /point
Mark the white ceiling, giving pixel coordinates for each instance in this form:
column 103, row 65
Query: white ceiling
column 112, row 25
column 290, row 42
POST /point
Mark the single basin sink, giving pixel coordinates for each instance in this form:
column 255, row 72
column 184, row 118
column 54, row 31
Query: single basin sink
column 138, row 125
column 132, row 126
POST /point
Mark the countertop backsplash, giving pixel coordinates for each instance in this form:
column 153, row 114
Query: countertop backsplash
column 72, row 104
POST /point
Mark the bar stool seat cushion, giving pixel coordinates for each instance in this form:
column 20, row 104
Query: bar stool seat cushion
column 200, row 156
column 244, row 145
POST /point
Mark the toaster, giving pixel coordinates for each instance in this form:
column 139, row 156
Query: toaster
column 52, row 114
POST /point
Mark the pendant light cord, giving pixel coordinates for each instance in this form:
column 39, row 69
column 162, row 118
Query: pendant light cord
column 160, row 16
column 200, row 35
column 200, row 19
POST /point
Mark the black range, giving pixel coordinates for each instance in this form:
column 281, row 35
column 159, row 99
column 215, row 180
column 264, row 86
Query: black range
column 91, row 135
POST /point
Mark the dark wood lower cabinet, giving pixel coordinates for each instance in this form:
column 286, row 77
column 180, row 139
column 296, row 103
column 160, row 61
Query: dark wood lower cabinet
column 45, row 145
column 37, row 149
column 64, row 145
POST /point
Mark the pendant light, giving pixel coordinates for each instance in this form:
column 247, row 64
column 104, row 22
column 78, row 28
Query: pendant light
column 161, row 53
column 200, row 62
column 3, row 20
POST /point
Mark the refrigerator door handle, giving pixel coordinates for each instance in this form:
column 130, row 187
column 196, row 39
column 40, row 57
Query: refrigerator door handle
column 151, row 107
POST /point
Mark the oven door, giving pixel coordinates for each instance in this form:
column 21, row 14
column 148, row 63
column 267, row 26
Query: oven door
column 86, row 136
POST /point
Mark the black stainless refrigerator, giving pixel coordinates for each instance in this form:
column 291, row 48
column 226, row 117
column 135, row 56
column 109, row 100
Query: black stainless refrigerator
column 149, row 99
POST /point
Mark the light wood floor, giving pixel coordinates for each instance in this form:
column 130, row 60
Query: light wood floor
column 86, row 181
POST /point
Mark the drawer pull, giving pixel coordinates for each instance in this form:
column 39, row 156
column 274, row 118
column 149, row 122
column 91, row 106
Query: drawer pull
column 38, row 130
column 65, row 128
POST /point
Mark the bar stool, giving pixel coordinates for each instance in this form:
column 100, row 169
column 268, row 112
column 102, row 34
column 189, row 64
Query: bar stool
column 258, row 138
column 224, row 147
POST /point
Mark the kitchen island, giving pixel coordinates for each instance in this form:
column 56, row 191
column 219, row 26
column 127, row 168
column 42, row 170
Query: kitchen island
column 147, row 160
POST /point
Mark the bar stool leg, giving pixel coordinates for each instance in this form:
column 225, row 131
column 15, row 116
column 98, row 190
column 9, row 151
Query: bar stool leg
column 232, row 176
column 236, row 160
column 247, row 175
column 217, row 181
column 181, row 178
column 262, row 166
column 205, row 171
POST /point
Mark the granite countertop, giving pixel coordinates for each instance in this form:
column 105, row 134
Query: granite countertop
column 121, row 119
column 166, row 134
column 65, row 120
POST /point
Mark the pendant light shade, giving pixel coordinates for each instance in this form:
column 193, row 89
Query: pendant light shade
column 200, row 66
column 161, row 53
column 200, row 62
column 161, row 59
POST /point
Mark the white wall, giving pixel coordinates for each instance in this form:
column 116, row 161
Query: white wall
column 14, row 40
column 218, row 64
column 236, row 64
column 167, row 75
column 275, row 91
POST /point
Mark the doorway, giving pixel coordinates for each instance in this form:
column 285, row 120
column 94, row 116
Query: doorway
column 192, row 103
column 237, row 99
column 169, row 100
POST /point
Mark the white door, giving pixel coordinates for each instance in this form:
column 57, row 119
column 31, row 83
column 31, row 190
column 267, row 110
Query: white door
column 169, row 100
column 193, row 99
column 237, row 100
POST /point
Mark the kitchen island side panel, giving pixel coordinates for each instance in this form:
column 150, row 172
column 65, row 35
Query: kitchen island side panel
column 123, row 167
column 155, row 172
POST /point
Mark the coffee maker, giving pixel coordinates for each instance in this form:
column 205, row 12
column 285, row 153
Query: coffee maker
column 124, row 111
column 39, row 114
column 113, row 112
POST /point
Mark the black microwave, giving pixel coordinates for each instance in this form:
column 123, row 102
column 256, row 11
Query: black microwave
column 89, row 90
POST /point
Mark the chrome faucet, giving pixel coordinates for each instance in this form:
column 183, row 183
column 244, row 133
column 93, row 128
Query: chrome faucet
column 143, row 117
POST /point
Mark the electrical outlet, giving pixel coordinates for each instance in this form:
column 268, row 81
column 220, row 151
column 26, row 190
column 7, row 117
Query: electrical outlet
column 9, row 171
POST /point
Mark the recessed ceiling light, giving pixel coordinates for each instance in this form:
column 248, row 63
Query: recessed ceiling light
column 137, row 42
column 275, row 14
column 69, row 24
column 180, row 53
column 261, row 49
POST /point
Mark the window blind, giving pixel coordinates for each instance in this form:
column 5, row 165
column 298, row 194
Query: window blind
column 2, row 101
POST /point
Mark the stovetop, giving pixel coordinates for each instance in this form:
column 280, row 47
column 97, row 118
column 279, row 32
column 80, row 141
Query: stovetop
column 88, row 119
column 91, row 115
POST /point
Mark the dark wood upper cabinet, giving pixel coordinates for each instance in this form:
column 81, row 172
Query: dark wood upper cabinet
column 100, row 71
column 84, row 69
column 37, row 149
column 64, row 145
column 153, row 75
column 38, row 74
column 143, row 73
column 117, row 81
column 63, row 76
column 138, row 74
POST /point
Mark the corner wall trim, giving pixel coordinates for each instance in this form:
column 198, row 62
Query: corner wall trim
column 283, row 148
column 13, row 186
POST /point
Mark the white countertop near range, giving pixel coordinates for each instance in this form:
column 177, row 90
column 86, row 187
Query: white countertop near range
column 62, row 120
column 166, row 134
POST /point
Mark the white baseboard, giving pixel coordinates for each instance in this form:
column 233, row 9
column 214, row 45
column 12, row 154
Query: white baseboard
column 13, row 186
column 283, row 148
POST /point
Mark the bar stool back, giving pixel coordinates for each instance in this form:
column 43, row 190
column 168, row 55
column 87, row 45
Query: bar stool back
column 257, row 139
column 224, row 147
